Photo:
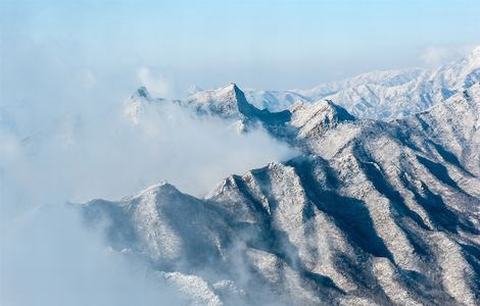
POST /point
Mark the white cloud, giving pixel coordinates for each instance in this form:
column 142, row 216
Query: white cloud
column 438, row 55
column 48, row 257
column 63, row 140
column 155, row 83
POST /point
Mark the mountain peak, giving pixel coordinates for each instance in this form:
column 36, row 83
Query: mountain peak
column 326, row 108
column 221, row 101
column 229, row 102
column 322, row 115
column 142, row 92
column 161, row 187
column 340, row 113
column 137, row 103
column 229, row 89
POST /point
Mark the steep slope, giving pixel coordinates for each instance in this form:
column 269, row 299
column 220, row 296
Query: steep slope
column 373, row 213
column 453, row 127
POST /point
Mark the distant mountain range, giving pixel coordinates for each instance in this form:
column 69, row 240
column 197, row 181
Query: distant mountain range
column 372, row 212
column 383, row 94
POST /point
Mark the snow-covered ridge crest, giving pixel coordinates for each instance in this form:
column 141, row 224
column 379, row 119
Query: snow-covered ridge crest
column 230, row 102
column 381, row 95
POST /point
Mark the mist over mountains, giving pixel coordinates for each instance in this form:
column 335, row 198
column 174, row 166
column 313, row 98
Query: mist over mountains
column 359, row 192
column 370, row 212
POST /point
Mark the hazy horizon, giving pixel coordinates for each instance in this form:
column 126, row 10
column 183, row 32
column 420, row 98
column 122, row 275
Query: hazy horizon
column 258, row 44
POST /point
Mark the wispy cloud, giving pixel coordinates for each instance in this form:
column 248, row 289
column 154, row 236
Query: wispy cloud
column 155, row 83
column 437, row 55
column 63, row 137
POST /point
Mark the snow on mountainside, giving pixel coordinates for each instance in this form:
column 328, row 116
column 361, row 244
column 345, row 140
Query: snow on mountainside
column 228, row 103
column 397, row 93
column 371, row 213
column 383, row 95
column 275, row 100
column 138, row 103
column 321, row 115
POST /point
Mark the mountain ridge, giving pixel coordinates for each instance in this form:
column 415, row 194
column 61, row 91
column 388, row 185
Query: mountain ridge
column 382, row 94
column 371, row 212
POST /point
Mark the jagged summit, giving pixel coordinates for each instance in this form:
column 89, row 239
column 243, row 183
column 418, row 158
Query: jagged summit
column 252, row 113
column 229, row 102
column 137, row 103
column 142, row 92
column 221, row 102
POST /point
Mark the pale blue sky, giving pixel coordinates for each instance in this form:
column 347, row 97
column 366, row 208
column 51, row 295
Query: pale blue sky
column 262, row 44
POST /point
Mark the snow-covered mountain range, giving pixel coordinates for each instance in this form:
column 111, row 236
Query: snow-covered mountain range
column 383, row 94
column 371, row 212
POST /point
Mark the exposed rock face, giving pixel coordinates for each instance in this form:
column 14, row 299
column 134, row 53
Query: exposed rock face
column 371, row 213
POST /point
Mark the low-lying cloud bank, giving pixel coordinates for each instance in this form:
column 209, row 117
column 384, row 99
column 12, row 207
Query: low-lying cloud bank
column 63, row 143
column 87, row 155
column 48, row 257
